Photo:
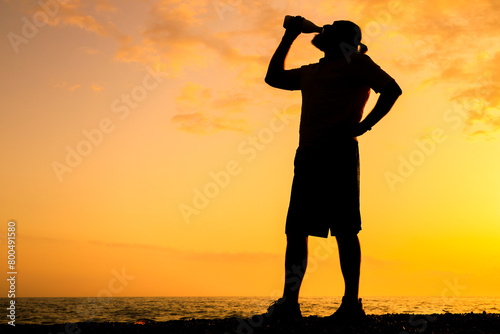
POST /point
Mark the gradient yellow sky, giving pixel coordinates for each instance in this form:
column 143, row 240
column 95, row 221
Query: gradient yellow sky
column 143, row 155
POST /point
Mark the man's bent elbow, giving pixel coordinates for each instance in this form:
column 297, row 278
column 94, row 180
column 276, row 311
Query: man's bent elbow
column 397, row 90
column 275, row 83
column 268, row 80
column 271, row 81
column 392, row 89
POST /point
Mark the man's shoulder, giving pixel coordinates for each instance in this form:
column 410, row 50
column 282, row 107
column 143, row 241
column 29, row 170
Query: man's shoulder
column 309, row 66
column 355, row 57
column 354, row 63
column 361, row 58
column 362, row 62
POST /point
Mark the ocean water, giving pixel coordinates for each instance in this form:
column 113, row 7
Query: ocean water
column 131, row 309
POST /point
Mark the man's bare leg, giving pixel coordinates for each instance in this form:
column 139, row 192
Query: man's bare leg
column 351, row 310
column 350, row 263
column 295, row 266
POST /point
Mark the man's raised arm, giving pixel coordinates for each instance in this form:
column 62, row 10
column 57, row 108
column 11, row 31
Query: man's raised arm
column 276, row 75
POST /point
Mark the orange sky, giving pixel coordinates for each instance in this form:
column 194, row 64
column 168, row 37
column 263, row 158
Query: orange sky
column 143, row 155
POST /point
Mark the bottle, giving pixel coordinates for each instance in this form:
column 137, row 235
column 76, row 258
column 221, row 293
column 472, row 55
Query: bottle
column 307, row 26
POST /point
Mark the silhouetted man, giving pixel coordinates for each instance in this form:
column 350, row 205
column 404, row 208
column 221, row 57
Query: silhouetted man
column 325, row 189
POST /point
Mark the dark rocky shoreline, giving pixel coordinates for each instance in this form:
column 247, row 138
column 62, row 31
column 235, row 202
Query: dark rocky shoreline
column 472, row 323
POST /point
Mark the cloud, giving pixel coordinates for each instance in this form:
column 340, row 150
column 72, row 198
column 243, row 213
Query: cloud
column 201, row 110
column 199, row 123
column 104, row 6
column 68, row 87
column 191, row 34
column 72, row 13
column 454, row 45
column 90, row 51
column 91, row 16
column 168, row 35
column 97, row 87
column 450, row 44
column 481, row 98
column 183, row 35
column 222, row 38
column 441, row 46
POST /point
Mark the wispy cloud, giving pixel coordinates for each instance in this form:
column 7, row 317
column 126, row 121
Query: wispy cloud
column 200, row 111
column 104, row 6
column 191, row 34
column 90, row 51
column 194, row 34
column 67, row 86
column 75, row 13
column 97, row 87
column 458, row 45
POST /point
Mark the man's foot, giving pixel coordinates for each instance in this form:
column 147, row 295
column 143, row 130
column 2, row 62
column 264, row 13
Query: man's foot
column 350, row 312
column 282, row 311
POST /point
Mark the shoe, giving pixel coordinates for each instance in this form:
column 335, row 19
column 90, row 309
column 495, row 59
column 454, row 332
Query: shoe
column 281, row 312
column 349, row 313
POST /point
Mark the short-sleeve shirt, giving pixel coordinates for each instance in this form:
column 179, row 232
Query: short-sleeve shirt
column 334, row 94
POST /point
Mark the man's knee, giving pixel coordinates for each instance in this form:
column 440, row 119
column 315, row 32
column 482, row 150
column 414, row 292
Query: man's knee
column 347, row 238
